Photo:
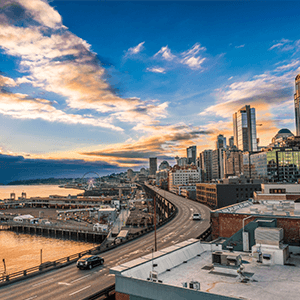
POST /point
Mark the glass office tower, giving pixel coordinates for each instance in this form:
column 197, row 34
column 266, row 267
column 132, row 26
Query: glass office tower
column 244, row 129
column 297, row 99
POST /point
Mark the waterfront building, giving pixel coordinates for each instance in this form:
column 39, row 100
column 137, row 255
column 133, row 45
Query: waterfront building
column 244, row 129
column 152, row 165
column 191, row 154
column 296, row 101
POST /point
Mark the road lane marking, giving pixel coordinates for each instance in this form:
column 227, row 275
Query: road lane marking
column 64, row 283
column 80, row 278
column 43, row 282
column 80, row 290
column 31, row 297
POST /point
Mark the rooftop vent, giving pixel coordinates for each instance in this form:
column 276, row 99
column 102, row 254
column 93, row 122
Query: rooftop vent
column 195, row 285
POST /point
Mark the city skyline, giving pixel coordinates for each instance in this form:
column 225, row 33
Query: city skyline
column 114, row 83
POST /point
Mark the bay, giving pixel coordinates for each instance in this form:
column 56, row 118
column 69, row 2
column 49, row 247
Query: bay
column 22, row 251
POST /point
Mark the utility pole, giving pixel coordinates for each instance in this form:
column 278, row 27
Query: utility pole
column 4, row 266
column 41, row 256
column 155, row 242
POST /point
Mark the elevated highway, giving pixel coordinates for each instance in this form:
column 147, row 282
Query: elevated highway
column 71, row 283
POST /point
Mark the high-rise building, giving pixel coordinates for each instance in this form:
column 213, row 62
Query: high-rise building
column 231, row 142
column 152, row 165
column 217, row 163
column 191, row 154
column 244, row 129
column 221, row 142
column 205, row 164
column 297, row 108
column 233, row 162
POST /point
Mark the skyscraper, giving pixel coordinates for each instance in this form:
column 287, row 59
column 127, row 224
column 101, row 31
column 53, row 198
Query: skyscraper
column 191, row 153
column 231, row 142
column 297, row 108
column 205, row 164
column 221, row 141
column 152, row 165
column 244, row 129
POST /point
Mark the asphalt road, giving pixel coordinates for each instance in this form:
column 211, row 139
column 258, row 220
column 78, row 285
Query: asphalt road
column 72, row 283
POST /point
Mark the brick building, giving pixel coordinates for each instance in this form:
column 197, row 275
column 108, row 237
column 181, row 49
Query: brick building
column 229, row 220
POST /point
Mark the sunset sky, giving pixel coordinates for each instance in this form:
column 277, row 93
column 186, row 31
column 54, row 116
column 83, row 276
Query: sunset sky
column 103, row 85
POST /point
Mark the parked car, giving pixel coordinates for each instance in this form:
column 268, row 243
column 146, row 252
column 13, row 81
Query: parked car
column 196, row 216
column 89, row 261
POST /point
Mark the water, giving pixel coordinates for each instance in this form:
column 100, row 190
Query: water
column 22, row 251
column 35, row 191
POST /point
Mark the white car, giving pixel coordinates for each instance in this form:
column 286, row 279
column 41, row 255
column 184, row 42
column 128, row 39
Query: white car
column 196, row 216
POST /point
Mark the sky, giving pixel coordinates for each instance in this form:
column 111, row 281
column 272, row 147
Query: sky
column 103, row 85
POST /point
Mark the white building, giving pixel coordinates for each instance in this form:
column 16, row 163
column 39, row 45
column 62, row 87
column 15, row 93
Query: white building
column 198, row 270
column 180, row 176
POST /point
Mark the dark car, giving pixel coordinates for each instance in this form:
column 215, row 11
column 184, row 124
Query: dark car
column 89, row 261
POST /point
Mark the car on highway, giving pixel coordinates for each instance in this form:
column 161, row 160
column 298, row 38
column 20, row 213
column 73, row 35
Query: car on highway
column 197, row 216
column 89, row 261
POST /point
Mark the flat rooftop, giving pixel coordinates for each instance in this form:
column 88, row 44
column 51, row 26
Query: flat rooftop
column 264, row 207
column 193, row 262
column 266, row 282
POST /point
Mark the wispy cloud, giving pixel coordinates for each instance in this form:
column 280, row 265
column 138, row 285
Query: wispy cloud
column 240, row 46
column 156, row 70
column 164, row 141
column 266, row 92
column 57, row 61
column 286, row 45
column 22, row 106
column 192, row 58
column 135, row 50
column 165, row 53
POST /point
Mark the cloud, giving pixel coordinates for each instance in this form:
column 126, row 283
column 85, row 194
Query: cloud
column 240, row 46
column 156, row 70
column 267, row 93
column 22, row 106
column 57, row 61
column 190, row 57
column 163, row 142
column 285, row 45
column 19, row 168
column 135, row 50
column 165, row 53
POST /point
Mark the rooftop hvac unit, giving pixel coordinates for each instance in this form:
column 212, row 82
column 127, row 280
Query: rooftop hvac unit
column 220, row 258
column 195, row 285
column 268, row 235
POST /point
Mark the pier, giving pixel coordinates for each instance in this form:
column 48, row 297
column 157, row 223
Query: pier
column 64, row 232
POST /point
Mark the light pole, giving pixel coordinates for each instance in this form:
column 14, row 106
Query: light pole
column 155, row 242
